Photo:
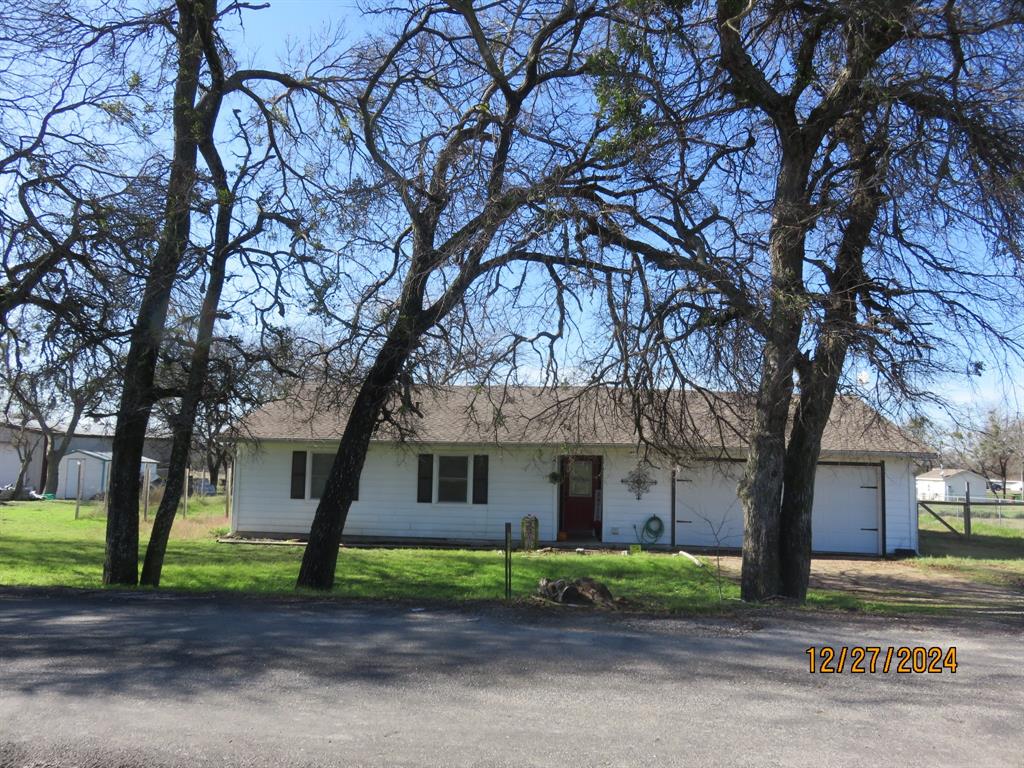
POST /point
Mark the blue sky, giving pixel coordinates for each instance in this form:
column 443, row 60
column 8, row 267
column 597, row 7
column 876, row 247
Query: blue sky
column 265, row 33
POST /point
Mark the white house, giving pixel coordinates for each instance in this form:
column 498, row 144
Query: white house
column 478, row 462
column 950, row 485
column 95, row 473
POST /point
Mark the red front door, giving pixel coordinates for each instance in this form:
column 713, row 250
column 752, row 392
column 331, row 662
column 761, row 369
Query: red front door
column 580, row 496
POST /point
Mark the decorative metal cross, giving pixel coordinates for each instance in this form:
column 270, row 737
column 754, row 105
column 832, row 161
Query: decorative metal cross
column 639, row 481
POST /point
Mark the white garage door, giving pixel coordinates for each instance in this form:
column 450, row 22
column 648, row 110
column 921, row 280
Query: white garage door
column 847, row 503
column 708, row 511
column 846, row 516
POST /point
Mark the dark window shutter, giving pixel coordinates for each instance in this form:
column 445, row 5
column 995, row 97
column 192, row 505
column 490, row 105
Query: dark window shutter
column 298, row 474
column 425, row 479
column 480, row 479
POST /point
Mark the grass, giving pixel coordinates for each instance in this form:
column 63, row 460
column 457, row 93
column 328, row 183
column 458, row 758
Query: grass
column 42, row 544
column 993, row 555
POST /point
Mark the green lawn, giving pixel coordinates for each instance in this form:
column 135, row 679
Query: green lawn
column 42, row 544
column 993, row 555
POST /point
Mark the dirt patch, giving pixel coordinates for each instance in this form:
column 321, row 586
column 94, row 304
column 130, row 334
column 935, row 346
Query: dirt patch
column 900, row 581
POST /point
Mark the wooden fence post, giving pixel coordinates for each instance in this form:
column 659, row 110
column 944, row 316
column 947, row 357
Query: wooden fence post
column 145, row 502
column 188, row 475
column 106, row 491
column 967, row 511
column 78, row 492
column 227, row 491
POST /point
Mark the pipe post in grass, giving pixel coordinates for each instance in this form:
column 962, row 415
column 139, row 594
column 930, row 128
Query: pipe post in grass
column 508, row 561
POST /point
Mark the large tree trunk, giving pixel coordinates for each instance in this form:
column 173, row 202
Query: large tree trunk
column 798, row 497
column 760, row 489
column 321, row 556
column 137, row 397
column 52, row 472
column 819, row 376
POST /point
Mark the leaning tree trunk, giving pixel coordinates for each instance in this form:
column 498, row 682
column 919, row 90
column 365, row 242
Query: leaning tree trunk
column 121, row 565
column 164, row 519
column 321, row 556
column 199, row 365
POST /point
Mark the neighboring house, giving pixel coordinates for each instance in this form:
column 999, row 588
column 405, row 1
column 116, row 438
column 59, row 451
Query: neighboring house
column 950, row 485
column 477, row 463
column 14, row 439
column 95, row 473
column 1014, row 486
column 98, row 435
column 94, row 436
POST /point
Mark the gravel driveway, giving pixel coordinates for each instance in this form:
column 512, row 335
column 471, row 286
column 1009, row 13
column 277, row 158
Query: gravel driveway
column 142, row 680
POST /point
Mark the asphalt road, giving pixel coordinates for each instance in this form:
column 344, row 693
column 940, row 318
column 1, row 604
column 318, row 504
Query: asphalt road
column 109, row 680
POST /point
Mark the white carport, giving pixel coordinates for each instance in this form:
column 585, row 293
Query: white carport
column 94, row 473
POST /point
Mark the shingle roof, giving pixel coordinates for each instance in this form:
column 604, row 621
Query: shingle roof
column 568, row 415
column 105, row 455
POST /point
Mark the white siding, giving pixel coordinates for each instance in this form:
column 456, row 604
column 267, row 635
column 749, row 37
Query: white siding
column 621, row 508
column 900, row 505
column 708, row 510
column 93, row 476
column 518, row 485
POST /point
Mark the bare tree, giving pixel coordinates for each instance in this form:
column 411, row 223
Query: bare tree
column 467, row 124
column 804, row 178
column 988, row 443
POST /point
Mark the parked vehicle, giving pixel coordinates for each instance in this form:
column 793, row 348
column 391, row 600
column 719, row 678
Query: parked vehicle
column 202, row 487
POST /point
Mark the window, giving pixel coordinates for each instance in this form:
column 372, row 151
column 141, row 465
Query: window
column 581, row 478
column 319, row 470
column 319, row 473
column 456, row 479
column 452, row 478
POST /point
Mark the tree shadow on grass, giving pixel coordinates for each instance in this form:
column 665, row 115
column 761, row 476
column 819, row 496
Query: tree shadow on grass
column 982, row 547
